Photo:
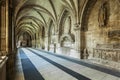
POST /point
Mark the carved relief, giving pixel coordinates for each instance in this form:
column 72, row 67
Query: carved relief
column 118, row 57
column 103, row 14
column 107, row 53
column 98, row 55
column 114, row 34
column 66, row 40
column 77, row 26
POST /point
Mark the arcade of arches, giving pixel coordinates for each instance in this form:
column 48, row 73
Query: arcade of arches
column 83, row 29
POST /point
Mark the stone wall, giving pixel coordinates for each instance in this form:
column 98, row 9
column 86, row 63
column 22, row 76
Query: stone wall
column 99, row 32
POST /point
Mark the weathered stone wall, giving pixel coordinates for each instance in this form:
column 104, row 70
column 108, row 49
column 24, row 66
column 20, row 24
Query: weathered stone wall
column 97, row 34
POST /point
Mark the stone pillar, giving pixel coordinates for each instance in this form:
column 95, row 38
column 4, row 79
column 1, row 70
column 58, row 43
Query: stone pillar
column 3, row 31
column 13, row 36
column 83, row 43
column 7, row 25
column 0, row 25
column 11, row 41
column 49, row 42
column 37, row 40
column 56, row 43
column 79, row 40
column 4, row 26
column 46, row 42
column 42, row 42
column 48, row 47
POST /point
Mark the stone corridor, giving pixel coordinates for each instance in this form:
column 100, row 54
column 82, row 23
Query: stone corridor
column 36, row 64
column 60, row 39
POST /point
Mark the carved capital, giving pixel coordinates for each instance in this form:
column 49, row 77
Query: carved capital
column 77, row 26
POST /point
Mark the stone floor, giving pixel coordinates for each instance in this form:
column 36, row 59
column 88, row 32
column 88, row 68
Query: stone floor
column 66, row 51
column 57, row 67
column 106, row 63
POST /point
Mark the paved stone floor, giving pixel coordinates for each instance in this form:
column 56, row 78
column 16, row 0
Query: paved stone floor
column 57, row 67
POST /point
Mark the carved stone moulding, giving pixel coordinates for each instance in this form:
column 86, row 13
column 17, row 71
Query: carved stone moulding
column 114, row 34
column 108, row 46
column 69, row 36
column 66, row 40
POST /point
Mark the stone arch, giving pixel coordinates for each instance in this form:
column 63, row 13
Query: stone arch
column 26, row 40
column 42, row 38
column 51, row 34
column 65, row 35
column 62, row 21
column 87, row 10
column 51, row 30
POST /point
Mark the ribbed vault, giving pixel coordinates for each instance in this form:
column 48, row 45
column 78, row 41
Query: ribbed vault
column 39, row 17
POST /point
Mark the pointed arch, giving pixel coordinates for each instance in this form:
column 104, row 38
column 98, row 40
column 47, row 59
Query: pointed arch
column 86, row 12
column 64, row 15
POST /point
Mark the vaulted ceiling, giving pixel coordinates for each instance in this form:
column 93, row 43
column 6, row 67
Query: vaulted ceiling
column 32, row 16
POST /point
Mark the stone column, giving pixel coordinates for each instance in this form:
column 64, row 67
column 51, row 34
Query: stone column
column 4, row 26
column 42, row 42
column 56, row 43
column 48, row 46
column 46, row 42
column 3, row 34
column 7, row 26
column 79, row 40
column 83, row 43
column 11, row 32
column 37, row 40
column 13, row 36
column 0, row 25
column 48, row 39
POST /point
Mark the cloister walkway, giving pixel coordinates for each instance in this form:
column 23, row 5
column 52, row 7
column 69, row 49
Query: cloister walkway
column 35, row 64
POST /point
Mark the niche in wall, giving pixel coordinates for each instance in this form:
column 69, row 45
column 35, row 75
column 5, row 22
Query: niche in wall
column 66, row 40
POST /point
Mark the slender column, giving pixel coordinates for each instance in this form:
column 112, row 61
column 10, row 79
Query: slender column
column 0, row 26
column 79, row 40
column 7, row 25
column 37, row 40
column 48, row 39
column 3, row 27
column 83, row 43
column 13, row 37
